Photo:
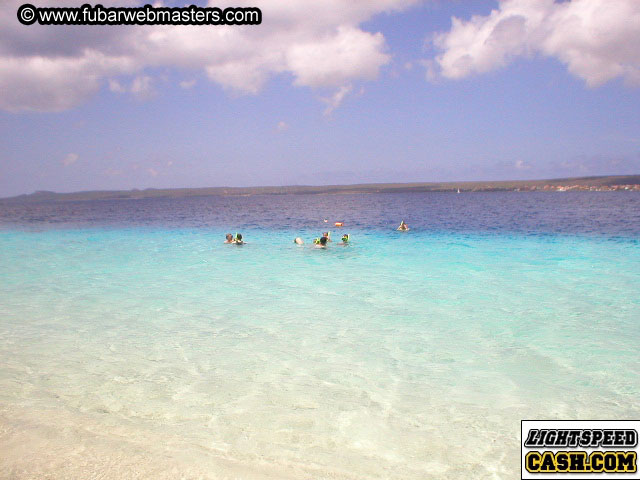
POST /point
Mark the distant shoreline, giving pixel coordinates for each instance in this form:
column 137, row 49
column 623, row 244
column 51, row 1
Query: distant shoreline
column 598, row 183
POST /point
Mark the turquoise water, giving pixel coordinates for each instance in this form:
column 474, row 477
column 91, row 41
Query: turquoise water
column 156, row 352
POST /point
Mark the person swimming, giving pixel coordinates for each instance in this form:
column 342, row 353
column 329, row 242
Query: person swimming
column 327, row 235
column 345, row 239
column 238, row 240
column 322, row 242
column 403, row 227
column 298, row 241
column 229, row 238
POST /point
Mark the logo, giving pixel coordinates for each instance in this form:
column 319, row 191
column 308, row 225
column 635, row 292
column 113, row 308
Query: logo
column 580, row 449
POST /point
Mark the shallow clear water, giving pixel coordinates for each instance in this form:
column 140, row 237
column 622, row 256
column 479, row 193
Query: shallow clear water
column 134, row 344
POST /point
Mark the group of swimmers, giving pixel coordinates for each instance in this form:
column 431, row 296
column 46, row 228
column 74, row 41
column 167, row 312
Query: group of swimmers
column 237, row 240
column 321, row 242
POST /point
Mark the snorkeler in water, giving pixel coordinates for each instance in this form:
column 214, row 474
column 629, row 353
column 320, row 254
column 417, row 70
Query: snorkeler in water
column 403, row 227
column 229, row 238
column 322, row 242
column 238, row 240
column 345, row 239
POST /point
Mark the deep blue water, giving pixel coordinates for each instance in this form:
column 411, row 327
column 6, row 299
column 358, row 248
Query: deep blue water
column 592, row 213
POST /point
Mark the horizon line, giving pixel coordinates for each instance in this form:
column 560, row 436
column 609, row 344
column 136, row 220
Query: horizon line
column 488, row 184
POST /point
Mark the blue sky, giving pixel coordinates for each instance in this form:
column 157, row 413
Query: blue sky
column 387, row 91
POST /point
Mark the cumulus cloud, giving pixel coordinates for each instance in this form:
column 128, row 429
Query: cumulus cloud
column 596, row 39
column 320, row 44
column 331, row 61
column 50, row 84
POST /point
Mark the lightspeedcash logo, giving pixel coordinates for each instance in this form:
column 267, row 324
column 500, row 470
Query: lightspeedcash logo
column 581, row 449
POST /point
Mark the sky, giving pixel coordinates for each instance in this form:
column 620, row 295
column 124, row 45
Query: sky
column 323, row 92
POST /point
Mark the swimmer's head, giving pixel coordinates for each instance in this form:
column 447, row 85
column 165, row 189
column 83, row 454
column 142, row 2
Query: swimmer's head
column 238, row 237
column 229, row 237
column 323, row 241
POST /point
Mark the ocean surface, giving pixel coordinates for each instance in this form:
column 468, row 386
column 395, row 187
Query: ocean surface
column 135, row 344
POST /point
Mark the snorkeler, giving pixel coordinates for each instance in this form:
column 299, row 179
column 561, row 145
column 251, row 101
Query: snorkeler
column 328, row 235
column 238, row 240
column 345, row 239
column 403, row 227
column 229, row 238
column 322, row 242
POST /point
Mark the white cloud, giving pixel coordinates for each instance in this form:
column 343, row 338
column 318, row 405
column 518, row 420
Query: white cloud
column 70, row 159
column 336, row 99
column 116, row 87
column 142, row 87
column 186, row 84
column 51, row 84
column 337, row 59
column 596, row 39
column 320, row 44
